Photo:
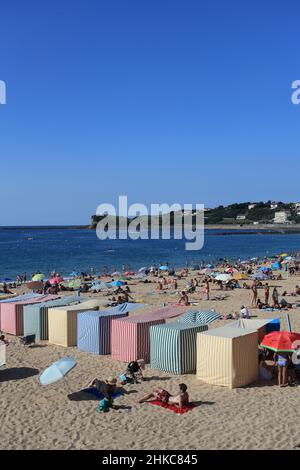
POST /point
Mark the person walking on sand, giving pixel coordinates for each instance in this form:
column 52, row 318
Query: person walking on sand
column 275, row 298
column 254, row 294
column 206, row 289
column 267, row 293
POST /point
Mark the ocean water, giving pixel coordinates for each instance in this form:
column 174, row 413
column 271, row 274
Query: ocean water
column 30, row 250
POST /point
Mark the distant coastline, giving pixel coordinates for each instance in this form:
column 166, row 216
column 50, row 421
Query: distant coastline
column 226, row 229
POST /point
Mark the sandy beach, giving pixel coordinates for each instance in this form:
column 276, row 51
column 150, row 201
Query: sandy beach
column 260, row 416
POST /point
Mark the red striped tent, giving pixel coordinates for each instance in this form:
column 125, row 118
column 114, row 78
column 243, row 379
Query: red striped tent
column 12, row 320
column 130, row 337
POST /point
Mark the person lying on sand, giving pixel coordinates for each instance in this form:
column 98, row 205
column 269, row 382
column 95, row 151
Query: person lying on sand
column 110, row 385
column 180, row 400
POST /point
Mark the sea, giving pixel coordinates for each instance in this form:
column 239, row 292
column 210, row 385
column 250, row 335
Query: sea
column 65, row 250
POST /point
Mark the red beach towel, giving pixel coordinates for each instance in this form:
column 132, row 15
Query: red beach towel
column 174, row 408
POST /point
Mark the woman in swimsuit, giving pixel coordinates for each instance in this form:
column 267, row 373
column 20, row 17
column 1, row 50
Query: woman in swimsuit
column 282, row 362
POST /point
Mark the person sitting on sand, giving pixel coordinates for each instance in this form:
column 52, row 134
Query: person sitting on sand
column 184, row 299
column 107, row 401
column 6, row 289
column 180, row 400
column 2, row 338
column 126, row 297
column 244, row 312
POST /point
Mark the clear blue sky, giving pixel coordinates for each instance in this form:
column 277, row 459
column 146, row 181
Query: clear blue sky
column 165, row 101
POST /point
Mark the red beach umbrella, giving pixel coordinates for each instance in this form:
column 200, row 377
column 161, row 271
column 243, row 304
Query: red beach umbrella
column 281, row 341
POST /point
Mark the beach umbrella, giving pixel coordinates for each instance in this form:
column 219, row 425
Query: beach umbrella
column 240, row 276
column 231, row 270
column 260, row 276
column 99, row 285
column 223, row 277
column 57, row 371
column 164, row 268
column 206, row 271
column 38, row 277
column 265, row 269
column 277, row 265
column 129, row 273
column 34, row 285
column 283, row 255
column 56, row 280
column 74, row 284
column 116, row 273
column 209, row 266
column 141, row 270
column 281, row 341
column 117, row 283
column 74, row 274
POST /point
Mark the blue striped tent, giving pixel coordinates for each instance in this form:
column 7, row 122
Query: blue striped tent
column 173, row 347
column 36, row 316
column 197, row 316
column 94, row 330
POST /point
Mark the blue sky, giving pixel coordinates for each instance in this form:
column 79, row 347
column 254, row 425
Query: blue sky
column 164, row 101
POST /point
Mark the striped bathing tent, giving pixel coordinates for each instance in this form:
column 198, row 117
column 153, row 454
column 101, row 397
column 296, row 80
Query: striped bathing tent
column 62, row 321
column 94, row 331
column 36, row 316
column 12, row 314
column 227, row 356
column 130, row 337
column 94, row 328
column 17, row 298
column 173, row 347
column 197, row 316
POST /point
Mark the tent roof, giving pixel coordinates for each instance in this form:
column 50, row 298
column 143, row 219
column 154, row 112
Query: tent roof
column 226, row 332
column 248, row 324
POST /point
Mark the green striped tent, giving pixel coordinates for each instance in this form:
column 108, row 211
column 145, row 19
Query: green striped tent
column 173, row 347
column 200, row 316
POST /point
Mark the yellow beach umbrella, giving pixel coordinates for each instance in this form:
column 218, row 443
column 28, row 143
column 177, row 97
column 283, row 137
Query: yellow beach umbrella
column 240, row 276
column 38, row 277
column 283, row 255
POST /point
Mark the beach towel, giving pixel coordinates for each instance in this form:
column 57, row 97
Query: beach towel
column 179, row 411
column 100, row 395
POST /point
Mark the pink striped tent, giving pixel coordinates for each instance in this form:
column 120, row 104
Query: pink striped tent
column 130, row 337
column 12, row 314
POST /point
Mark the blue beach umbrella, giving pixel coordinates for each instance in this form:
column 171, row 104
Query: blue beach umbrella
column 117, row 283
column 58, row 370
column 164, row 268
column 74, row 274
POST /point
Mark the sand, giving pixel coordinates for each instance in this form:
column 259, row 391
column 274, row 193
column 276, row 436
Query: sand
column 260, row 416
